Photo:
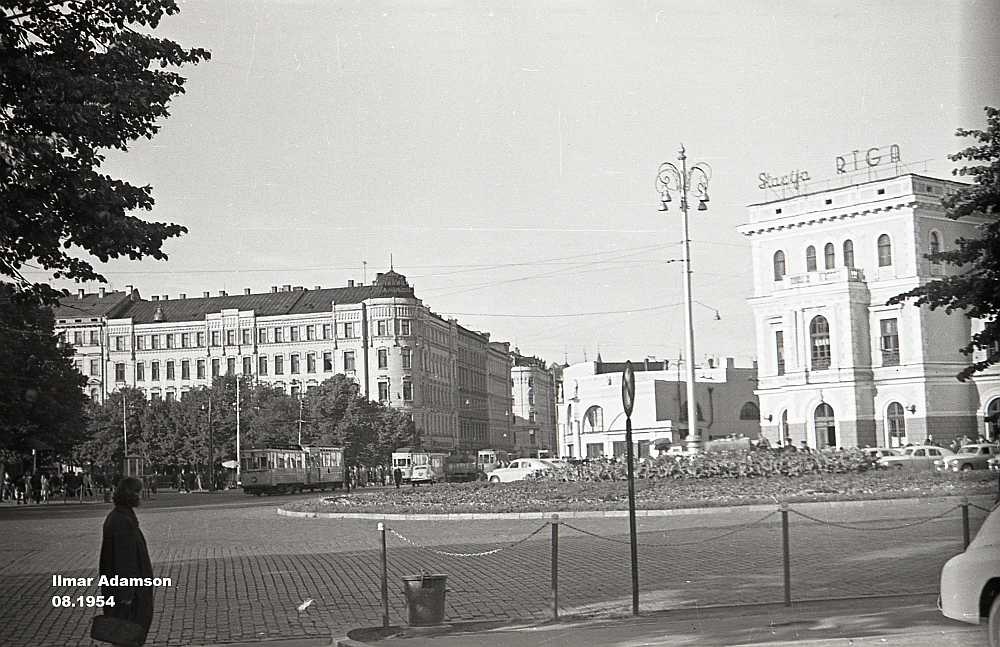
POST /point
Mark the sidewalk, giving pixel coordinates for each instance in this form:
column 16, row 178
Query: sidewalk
column 899, row 620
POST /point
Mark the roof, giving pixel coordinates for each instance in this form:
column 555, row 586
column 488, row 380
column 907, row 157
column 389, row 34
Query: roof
column 90, row 305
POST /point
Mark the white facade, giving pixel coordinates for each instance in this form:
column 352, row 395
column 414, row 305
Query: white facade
column 591, row 418
column 837, row 366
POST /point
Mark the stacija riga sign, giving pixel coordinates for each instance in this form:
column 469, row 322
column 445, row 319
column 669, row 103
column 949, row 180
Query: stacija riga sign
column 873, row 157
column 768, row 181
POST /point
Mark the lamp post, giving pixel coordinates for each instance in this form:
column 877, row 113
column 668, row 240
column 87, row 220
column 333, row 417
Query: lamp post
column 211, row 446
column 686, row 181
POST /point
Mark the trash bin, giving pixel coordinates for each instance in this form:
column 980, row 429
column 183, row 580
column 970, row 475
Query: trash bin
column 424, row 598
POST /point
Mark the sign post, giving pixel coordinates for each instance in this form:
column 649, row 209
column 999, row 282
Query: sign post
column 628, row 399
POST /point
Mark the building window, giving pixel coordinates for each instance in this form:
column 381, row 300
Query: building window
column 170, row 371
column 295, row 390
column 262, row 336
column 154, row 342
column 154, row 395
column 383, row 392
column 349, row 330
column 779, row 265
column 405, row 356
column 593, row 419
column 383, row 358
column 779, row 348
column 819, row 335
column 311, row 363
column 279, row 365
column 119, row 342
column 262, row 365
column 246, row 336
column 826, row 428
column 749, row 411
column 200, row 338
column 140, row 342
column 230, row 338
column 327, row 331
column 531, row 396
column 407, row 391
column 884, row 251
column 95, row 367
column 889, row 342
column 216, row 338
column 784, row 425
column 171, row 396
column 185, row 340
column 230, row 366
column 201, row 369
column 154, row 371
column 327, row 362
column 294, row 363
column 810, row 259
column 848, row 254
column 293, row 333
column 380, row 327
column 895, row 425
column 935, row 247
column 140, row 372
column 829, row 260
column 185, row 369
column 95, row 338
column 310, row 333
column 348, row 360
column 278, row 335
column 78, row 338
column 170, row 340
column 216, row 366
column 404, row 327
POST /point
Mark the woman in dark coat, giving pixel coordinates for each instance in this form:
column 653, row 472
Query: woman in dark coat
column 124, row 553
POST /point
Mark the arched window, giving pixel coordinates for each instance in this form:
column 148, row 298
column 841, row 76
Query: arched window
column 750, row 411
column 884, row 251
column 826, row 428
column 934, row 247
column 895, row 425
column 810, row 259
column 993, row 420
column 779, row 265
column 819, row 336
column 848, row 253
column 828, row 256
column 593, row 420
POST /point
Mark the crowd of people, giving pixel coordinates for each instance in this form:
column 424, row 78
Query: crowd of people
column 41, row 486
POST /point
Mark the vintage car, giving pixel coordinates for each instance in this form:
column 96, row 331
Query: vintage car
column 915, row 457
column 970, row 581
column 519, row 469
column 969, row 457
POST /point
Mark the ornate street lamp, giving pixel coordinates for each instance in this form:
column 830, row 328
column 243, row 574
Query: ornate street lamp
column 686, row 183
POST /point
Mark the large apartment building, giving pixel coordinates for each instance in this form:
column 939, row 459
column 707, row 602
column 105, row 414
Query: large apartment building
column 383, row 336
column 533, row 387
column 837, row 365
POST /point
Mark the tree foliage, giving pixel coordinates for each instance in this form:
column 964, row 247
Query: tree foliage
column 975, row 289
column 78, row 78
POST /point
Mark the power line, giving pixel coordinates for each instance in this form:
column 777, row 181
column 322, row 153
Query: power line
column 560, row 316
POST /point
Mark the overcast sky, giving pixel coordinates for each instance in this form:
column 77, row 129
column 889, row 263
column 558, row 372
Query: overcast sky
column 505, row 153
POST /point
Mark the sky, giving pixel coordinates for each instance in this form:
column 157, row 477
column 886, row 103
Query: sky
column 503, row 154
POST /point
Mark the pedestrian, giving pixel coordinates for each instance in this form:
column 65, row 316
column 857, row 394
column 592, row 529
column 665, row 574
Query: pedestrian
column 124, row 553
column 397, row 477
column 26, row 488
column 43, row 481
column 36, row 486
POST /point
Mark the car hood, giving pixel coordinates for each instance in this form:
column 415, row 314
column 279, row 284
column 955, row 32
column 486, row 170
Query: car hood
column 989, row 532
column 961, row 456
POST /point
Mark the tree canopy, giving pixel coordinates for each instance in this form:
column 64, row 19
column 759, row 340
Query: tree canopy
column 975, row 289
column 78, row 78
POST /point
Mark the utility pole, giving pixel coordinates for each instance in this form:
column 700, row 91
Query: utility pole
column 237, row 431
column 211, row 448
column 300, row 419
column 124, row 435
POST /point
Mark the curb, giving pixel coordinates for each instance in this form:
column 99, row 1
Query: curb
column 591, row 514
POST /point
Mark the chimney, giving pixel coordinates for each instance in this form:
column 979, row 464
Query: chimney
column 129, row 289
column 101, row 293
column 350, row 283
column 317, row 288
column 246, row 292
column 182, row 296
column 205, row 295
column 274, row 288
column 155, row 297
column 79, row 293
column 165, row 297
column 299, row 288
column 286, row 288
column 222, row 293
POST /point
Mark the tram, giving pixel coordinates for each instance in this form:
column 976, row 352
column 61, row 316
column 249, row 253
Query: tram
column 490, row 459
column 280, row 470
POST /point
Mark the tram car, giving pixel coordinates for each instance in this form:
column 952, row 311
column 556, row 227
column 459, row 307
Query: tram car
column 490, row 459
column 281, row 470
column 420, row 466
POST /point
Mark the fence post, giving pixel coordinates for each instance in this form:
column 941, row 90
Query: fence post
column 965, row 522
column 785, row 556
column 385, row 579
column 555, row 567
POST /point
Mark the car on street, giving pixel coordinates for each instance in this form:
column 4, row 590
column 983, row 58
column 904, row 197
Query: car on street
column 970, row 581
column 915, row 457
column 519, row 469
column 875, row 453
column 994, row 463
column 969, row 457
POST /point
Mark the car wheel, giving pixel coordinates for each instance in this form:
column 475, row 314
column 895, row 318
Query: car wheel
column 994, row 626
column 898, row 466
column 967, row 468
column 494, row 479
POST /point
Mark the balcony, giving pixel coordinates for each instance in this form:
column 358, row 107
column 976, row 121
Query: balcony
column 823, row 277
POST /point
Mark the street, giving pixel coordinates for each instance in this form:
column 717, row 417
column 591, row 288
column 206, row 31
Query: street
column 239, row 570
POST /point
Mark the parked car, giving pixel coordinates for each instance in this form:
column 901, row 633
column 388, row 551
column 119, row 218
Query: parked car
column 969, row 457
column 970, row 581
column 915, row 457
column 994, row 463
column 875, row 453
column 519, row 469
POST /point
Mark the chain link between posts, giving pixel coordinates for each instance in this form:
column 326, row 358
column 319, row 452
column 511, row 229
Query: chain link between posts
column 479, row 554
column 847, row 526
column 979, row 507
column 728, row 533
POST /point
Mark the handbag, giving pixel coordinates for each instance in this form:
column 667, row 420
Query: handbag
column 117, row 631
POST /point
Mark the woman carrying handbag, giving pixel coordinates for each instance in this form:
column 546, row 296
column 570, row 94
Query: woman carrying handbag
column 124, row 555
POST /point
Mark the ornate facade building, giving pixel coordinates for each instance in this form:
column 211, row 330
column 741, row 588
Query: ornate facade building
column 838, row 366
column 533, row 387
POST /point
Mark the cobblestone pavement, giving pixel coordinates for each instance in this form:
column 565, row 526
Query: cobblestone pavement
column 239, row 573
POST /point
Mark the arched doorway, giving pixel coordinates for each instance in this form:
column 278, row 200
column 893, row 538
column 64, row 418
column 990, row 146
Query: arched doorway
column 993, row 420
column 826, row 430
column 895, row 425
